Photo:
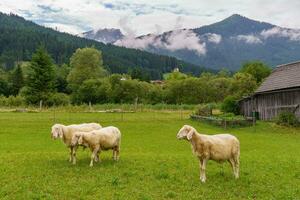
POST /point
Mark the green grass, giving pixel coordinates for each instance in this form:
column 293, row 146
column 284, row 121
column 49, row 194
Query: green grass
column 153, row 163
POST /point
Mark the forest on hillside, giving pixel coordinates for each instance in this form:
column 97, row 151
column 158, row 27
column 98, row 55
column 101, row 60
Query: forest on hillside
column 19, row 38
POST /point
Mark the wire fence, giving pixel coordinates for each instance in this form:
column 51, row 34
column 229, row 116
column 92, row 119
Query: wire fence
column 105, row 113
column 111, row 113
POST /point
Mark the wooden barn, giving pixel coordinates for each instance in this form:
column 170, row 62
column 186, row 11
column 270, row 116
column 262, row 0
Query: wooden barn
column 279, row 92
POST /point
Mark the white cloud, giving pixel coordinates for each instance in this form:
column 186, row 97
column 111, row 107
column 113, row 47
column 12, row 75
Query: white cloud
column 146, row 16
column 291, row 34
column 185, row 39
column 64, row 28
column 213, row 38
column 138, row 43
column 173, row 41
column 249, row 39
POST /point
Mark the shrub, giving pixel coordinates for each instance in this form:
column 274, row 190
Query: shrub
column 205, row 109
column 12, row 101
column 230, row 105
column 287, row 119
column 58, row 99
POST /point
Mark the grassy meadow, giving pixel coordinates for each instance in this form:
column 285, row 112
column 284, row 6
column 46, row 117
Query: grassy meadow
column 153, row 163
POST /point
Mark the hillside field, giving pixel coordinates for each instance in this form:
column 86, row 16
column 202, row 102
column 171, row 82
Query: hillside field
column 153, row 163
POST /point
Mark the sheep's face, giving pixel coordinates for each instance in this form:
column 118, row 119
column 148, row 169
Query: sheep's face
column 76, row 140
column 186, row 132
column 56, row 131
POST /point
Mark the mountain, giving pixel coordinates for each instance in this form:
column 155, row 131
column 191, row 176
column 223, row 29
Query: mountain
column 19, row 38
column 225, row 44
column 106, row 35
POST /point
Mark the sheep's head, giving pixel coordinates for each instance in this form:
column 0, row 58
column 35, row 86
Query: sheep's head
column 57, row 131
column 76, row 139
column 186, row 132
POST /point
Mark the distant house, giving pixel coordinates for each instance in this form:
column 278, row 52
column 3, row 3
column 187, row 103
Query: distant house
column 279, row 92
column 159, row 82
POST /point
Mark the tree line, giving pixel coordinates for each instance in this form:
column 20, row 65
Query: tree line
column 85, row 80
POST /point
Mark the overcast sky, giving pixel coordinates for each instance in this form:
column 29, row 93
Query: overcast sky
column 149, row 16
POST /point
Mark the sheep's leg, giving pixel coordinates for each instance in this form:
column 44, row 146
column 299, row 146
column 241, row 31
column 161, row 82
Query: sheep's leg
column 232, row 163
column 114, row 153
column 202, row 170
column 71, row 154
column 74, row 155
column 94, row 154
column 237, row 167
column 97, row 158
column 117, row 153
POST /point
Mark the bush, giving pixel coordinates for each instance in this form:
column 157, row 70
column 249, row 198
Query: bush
column 205, row 109
column 230, row 105
column 287, row 119
column 12, row 101
column 58, row 99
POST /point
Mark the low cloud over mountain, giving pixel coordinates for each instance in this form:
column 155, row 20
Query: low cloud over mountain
column 227, row 43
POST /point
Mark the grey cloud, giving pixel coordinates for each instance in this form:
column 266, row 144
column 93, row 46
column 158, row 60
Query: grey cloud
column 173, row 41
column 249, row 39
column 291, row 34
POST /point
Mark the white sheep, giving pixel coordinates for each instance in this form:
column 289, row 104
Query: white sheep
column 66, row 133
column 221, row 147
column 98, row 140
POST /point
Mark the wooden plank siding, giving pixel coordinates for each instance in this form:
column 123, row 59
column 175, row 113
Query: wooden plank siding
column 270, row 104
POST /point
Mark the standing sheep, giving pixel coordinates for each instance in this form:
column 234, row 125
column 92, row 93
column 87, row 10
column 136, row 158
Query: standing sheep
column 66, row 133
column 98, row 140
column 221, row 147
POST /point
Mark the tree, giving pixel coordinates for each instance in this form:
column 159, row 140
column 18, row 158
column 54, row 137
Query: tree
column 224, row 73
column 175, row 75
column 86, row 64
column 188, row 91
column 137, row 73
column 126, row 91
column 243, row 84
column 40, row 83
column 17, row 80
column 257, row 69
column 4, row 87
column 230, row 105
column 94, row 91
column 62, row 73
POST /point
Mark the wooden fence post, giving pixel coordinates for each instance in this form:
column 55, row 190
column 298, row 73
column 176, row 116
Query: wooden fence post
column 54, row 116
column 41, row 105
column 122, row 112
column 136, row 103
column 181, row 117
column 90, row 106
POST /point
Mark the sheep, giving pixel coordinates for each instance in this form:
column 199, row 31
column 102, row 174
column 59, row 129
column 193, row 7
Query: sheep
column 66, row 133
column 220, row 148
column 98, row 140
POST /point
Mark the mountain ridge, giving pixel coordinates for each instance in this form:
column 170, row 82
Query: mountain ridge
column 225, row 44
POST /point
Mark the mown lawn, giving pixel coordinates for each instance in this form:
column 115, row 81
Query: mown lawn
column 153, row 163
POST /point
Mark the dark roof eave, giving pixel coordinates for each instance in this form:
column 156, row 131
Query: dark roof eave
column 278, row 90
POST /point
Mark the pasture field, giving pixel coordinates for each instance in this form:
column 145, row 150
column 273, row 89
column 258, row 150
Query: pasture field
column 153, row 163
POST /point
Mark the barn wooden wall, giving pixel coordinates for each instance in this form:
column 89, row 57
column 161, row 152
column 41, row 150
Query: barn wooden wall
column 269, row 105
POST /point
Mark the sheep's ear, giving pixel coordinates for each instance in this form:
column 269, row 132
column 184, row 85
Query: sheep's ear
column 60, row 132
column 190, row 134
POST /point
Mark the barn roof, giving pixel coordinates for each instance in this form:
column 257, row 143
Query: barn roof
column 282, row 77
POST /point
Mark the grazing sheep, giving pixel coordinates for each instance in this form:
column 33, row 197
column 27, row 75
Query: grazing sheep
column 66, row 133
column 98, row 140
column 221, row 147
